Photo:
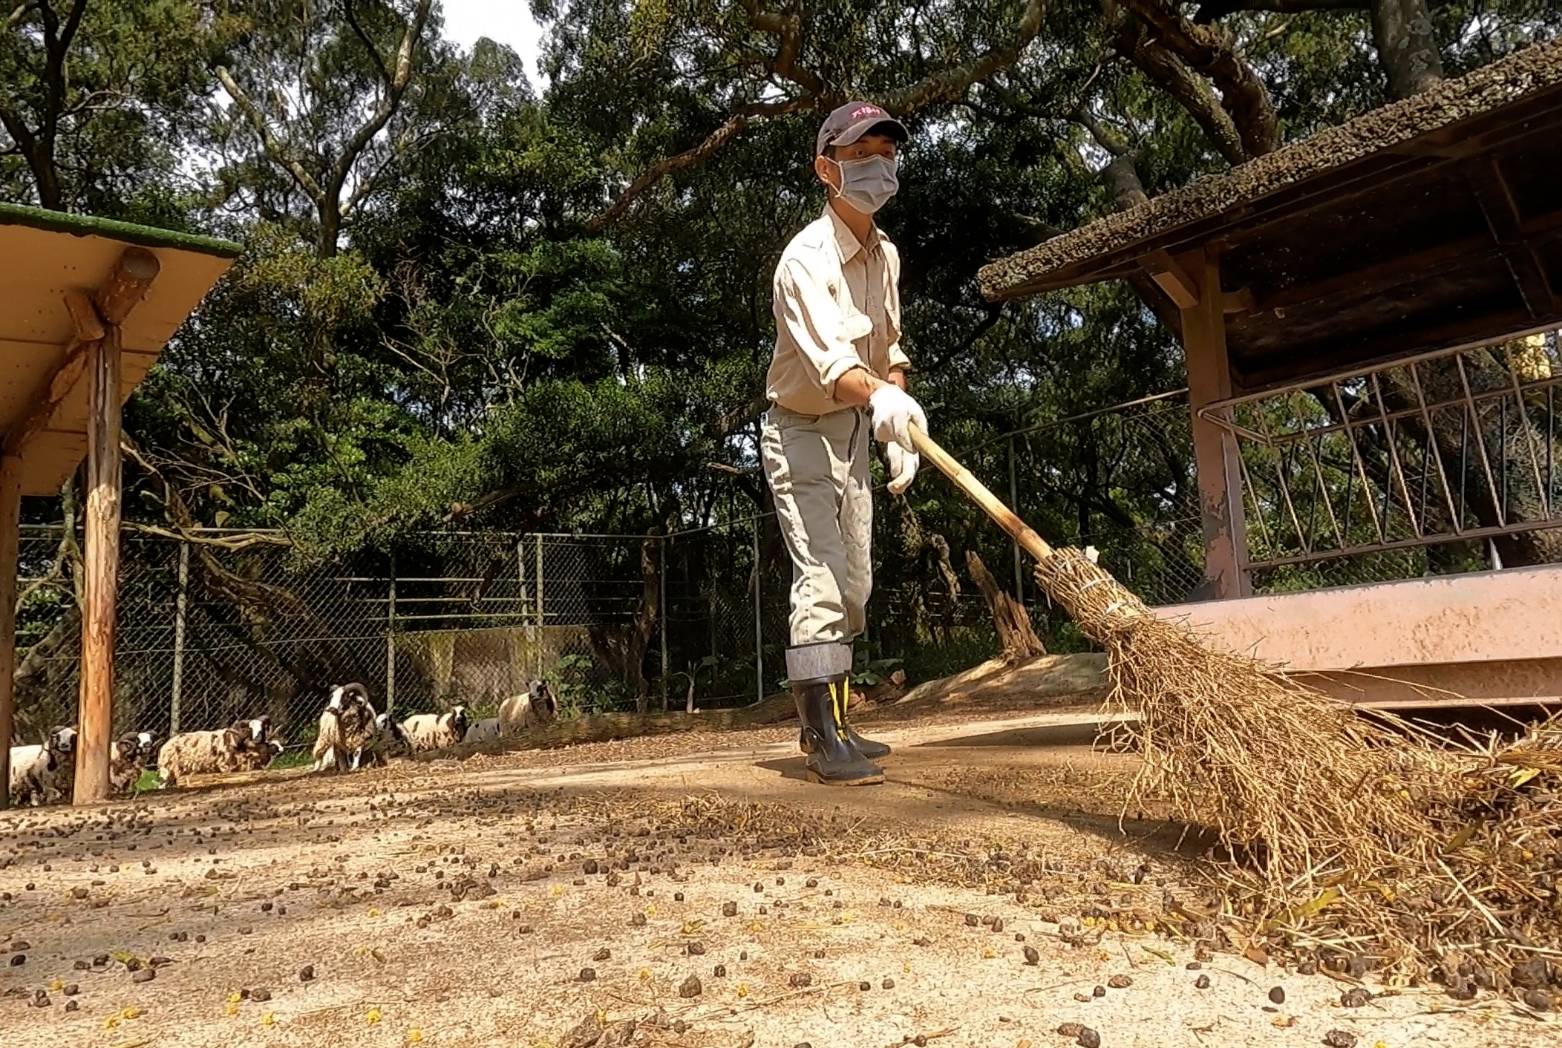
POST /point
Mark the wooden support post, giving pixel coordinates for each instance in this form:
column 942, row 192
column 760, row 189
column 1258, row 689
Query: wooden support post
column 117, row 296
column 390, row 642
column 1216, row 454
column 95, row 718
column 10, row 525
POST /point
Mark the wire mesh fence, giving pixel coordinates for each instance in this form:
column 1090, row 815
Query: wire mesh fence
column 217, row 626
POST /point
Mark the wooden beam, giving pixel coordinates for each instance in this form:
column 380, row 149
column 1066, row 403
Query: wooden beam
column 1216, row 454
column 126, row 285
column 1241, row 301
column 10, row 526
column 1506, row 224
column 95, row 716
column 1173, row 279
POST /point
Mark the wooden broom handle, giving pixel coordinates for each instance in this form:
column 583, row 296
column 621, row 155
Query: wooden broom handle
column 974, row 489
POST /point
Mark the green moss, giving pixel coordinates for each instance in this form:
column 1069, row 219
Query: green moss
column 88, row 225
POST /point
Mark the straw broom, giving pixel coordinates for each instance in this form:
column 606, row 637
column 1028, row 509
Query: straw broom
column 1342, row 831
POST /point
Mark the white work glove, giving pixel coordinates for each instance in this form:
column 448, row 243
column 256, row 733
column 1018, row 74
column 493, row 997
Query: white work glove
column 902, row 467
column 893, row 412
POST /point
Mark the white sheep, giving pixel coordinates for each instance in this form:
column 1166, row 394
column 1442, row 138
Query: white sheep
column 347, row 728
column 221, row 750
column 42, row 772
column 128, row 756
column 485, row 730
column 533, row 707
column 435, row 731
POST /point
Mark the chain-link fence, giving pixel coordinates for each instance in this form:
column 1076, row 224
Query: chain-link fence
column 218, row 626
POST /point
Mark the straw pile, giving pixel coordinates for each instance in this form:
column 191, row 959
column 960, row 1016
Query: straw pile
column 1363, row 843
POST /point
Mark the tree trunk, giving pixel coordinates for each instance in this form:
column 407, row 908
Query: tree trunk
column 1407, row 46
column 1015, row 634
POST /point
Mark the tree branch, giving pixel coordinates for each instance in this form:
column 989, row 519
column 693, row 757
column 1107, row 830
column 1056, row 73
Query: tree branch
column 1177, row 80
column 1210, row 52
column 395, row 85
column 951, row 83
column 349, row 12
column 1210, row 10
column 268, row 140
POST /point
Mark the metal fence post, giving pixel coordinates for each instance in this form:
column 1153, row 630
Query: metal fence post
column 759, row 622
column 540, row 622
column 662, row 608
column 181, row 604
column 1014, row 504
column 390, row 641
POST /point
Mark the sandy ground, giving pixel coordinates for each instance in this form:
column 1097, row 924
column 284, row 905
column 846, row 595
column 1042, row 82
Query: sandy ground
column 685, row 891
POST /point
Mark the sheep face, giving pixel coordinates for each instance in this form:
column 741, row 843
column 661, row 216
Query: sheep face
column 458, row 722
column 61, row 740
column 543, row 702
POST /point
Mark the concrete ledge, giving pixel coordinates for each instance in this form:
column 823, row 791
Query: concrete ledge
column 1493, row 616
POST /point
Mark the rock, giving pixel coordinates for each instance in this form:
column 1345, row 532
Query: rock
column 1201, row 983
column 588, row 975
column 888, row 984
column 691, row 987
column 18, row 959
column 729, row 909
column 1339, row 1039
column 1307, row 966
column 1088, row 1038
column 73, row 1006
column 260, row 993
column 1099, row 991
column 1119, row 982
column 1538, row 1000
column 144, row 975
column 1355, row 997
column 971, row 920
column 1032, row 956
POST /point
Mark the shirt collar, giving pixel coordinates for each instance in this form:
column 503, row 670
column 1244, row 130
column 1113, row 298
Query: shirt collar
column 845, row 239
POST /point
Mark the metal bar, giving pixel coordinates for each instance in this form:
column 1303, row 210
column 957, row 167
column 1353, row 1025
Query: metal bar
column 1500, row 507
column 1323, row 490
column 540, row 615
column 390, row 641
column 1399, row 544
column 759, row 625
column 1529, row 433
column 1437, row 455
column 1361, row 465
column 1393, row 457
column 181, row 608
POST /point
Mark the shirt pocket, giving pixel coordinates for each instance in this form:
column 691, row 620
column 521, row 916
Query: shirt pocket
column 856, row 326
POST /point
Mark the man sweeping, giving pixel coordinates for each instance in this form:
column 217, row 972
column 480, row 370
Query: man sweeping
column 838, row 374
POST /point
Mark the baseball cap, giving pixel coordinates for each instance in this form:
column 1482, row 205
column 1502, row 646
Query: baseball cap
column 851, row 121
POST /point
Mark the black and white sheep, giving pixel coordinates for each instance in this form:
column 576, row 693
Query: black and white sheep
column 42, row 772
column 531, row 708
column 259, row 758
column 435, row 731
column 389, row 741
column 347, row 729
column 128, row 758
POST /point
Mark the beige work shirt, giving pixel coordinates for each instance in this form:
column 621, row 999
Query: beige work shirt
column 837, row 306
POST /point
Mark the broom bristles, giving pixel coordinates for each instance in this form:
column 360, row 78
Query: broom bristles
column 1337, row 829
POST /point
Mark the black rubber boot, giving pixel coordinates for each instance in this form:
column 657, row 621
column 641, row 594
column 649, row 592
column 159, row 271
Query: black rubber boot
column 865, row 746
column 832, row 759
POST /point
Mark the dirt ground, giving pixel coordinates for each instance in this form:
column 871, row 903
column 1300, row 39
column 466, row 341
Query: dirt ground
column 686, row 890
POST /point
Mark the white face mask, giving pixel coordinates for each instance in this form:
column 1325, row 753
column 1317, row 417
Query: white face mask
column 867, row 184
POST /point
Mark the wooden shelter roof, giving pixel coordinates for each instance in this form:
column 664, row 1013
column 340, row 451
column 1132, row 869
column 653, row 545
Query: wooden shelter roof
column 44, row 254
column 1429, row 223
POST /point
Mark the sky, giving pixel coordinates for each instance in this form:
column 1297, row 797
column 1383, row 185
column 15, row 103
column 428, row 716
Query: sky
column 507, row 21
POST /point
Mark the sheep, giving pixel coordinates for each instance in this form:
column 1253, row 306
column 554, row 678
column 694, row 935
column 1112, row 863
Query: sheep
column 534, row 706
column 485, row 730
column 221, row 750
column 389, row 741
column 128, row 756
column 42, row 772
column 258, row 759
column 347, row 728
column 435, row 731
